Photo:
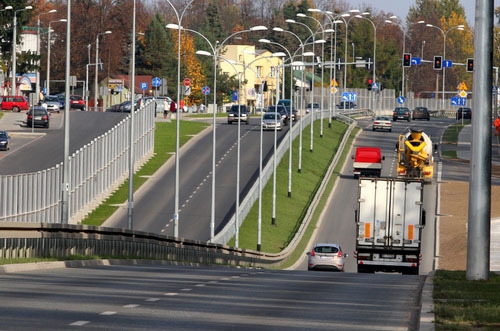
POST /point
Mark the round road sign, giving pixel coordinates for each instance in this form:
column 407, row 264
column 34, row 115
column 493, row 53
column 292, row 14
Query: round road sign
column 187, row 81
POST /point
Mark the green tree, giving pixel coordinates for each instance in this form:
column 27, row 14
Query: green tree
column 156, row 51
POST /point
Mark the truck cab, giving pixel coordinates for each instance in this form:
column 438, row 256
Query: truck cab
column 367, row 162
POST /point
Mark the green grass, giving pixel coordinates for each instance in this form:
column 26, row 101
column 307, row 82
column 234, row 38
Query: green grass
column 450, row 135
column 464, row 305
column 165, row 134
column 290, row 211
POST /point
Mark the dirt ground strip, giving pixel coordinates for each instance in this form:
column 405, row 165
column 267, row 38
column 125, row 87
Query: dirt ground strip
column 453, row 227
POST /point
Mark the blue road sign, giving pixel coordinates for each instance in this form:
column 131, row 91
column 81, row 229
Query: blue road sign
column 156, row 82
column 447, row 64
column 205, row 90
column 458, row 101
column 415, row 61
column 401, row 100
column 349, row 96
column 375, row 86
column 144, row 86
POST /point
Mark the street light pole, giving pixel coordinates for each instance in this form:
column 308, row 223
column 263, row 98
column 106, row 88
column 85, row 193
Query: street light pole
column 178, row 114
column 13, row 87
column 96, row 81
column 49, row 42
column 37, row 83
column 445, row 33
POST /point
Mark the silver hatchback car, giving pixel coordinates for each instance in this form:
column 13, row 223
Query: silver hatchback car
column 324, row 256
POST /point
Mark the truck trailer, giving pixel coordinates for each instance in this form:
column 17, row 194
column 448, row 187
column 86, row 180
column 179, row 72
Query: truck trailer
column 389, row 223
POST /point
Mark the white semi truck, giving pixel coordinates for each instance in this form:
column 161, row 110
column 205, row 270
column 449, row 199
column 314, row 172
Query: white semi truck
column 389, row 223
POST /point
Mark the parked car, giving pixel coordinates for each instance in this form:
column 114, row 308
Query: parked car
column 382, row 123
column 124, row 107
column 238, row 112
column 272, row 121
column 312, row 106
column 38, row 116
column 401, row 113
column 347, row 105
column 421, row 113
column 282, row 111
column 15, row 103
column 4, row 141
column 77, row 102
column 325, row 256
column 464, row 112
column 62, row 100
column 51, row 103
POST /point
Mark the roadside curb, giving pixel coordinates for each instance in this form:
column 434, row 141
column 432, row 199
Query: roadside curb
column 427, row 316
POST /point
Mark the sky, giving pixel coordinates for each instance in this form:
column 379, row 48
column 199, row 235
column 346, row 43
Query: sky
column 401, row 7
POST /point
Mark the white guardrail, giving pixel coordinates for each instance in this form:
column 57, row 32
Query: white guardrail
column 95, row 170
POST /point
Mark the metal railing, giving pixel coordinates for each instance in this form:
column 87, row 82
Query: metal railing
column 95, row 170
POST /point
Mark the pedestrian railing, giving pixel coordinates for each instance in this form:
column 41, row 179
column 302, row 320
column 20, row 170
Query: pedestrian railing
column 95, row 171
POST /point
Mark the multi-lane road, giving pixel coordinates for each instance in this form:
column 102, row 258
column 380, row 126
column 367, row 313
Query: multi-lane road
column 179, row 298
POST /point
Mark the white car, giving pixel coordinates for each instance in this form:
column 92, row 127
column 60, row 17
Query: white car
column 324, row 256
column 382, row 123
column 272, row 121
column 51, row 103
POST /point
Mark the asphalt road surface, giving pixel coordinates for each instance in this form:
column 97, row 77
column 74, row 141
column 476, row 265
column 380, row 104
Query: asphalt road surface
column 156, row 297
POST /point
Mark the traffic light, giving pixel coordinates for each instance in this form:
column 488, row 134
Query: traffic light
column 470, row 65
column 438, row 63
column 369, row 84
column 406, row 60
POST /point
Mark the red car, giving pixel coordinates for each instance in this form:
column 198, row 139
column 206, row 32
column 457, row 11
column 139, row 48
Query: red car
column 77, row 102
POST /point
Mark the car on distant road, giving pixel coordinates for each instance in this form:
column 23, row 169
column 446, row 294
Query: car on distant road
column 4, row 140
column 38, row 116
column 312, row 106
column 51, row 103
column 401, row 113
column 464, row 112
column 272, row 121
column 347, row 105
column 77, row 102
column 62, row 100
column 282, row 110
column 326, row 256
column 421, row 113
column 238, row 112
column 382, row 123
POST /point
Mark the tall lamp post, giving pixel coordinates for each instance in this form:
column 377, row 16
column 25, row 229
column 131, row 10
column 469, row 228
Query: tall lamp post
column 374, row 76
column 5, row 9
column 96, row 81
column 323, row 30
column 314, row 41
column 37, row 87
column 13, row 87
column 215, row 50
column 178, row 115
column 49, row 42
column 403, row 82
column 445, row 33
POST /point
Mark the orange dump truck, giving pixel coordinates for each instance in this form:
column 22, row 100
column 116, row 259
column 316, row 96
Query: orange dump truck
column 389, row 221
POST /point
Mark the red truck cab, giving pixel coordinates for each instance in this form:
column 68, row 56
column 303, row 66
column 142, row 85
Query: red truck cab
column 367, row 162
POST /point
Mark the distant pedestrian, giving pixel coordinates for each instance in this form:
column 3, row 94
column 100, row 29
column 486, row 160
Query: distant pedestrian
column 173, row 106
column 202, row 108
column 496, row 124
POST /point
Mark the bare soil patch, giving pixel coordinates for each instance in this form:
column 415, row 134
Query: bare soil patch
column 453, row 227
